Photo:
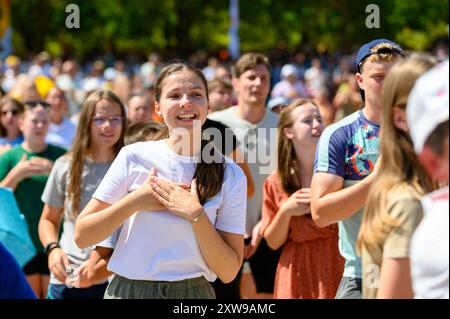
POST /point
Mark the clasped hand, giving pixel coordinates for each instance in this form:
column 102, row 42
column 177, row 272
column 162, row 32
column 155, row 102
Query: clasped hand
column 158, row 194
column 299, row 203
column 177, row 198
column 33, row 167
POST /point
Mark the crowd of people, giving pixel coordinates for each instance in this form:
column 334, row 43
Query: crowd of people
column 173, row 180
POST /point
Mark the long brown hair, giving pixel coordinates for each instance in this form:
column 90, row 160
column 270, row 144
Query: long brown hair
column 82, row 143
column 287, row 168
column 209, row 174
column 400, row 168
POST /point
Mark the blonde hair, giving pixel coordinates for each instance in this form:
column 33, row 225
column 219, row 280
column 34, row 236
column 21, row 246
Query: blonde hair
column 400, row 166
column 391, row 55
column 287, row 168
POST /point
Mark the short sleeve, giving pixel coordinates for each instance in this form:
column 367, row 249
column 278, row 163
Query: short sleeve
column 55, row 188
column 270, row 207
column 231, row 216
column 330, row 152
column 409, row 213
column 114, row 185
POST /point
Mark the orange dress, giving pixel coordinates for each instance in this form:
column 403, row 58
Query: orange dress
column 310, row 266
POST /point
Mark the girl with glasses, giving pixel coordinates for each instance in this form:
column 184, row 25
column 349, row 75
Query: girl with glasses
column 72, row 182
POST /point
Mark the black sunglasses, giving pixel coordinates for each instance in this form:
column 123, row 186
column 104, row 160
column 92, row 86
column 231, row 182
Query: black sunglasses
column 33, row 104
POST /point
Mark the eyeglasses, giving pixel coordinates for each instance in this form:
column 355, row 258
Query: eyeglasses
column 114, row 121
column 33, row 104
column 13, row 112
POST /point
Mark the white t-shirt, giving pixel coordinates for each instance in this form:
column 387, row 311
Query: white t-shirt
column 62, row 134
column 161, row 246
column 430, row 248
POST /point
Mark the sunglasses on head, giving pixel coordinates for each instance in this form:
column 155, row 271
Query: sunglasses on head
column 33, row 104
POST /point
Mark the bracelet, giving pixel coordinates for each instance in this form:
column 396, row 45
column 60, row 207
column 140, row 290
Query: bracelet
column 196, row 218
column 50, row 247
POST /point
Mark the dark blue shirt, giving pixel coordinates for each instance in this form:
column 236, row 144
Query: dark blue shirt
column 13, row 284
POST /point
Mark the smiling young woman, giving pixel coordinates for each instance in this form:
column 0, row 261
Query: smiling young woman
column 183, row 215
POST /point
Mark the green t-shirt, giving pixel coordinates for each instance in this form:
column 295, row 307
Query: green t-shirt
column 28, row 192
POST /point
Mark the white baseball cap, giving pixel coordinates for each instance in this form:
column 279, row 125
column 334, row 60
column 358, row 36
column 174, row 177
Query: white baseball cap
column 277, row 101
column 288, row 70
column 428, row 104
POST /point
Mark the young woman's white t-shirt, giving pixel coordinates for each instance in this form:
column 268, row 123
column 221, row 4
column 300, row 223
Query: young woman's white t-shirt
column 161, row 246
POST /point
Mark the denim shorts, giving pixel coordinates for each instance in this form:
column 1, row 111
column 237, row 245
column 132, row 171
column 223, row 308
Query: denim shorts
column 63, row 292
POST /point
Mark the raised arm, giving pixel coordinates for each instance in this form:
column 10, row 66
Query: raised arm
column 26, row 168
column 277, row 232
column 331, row 203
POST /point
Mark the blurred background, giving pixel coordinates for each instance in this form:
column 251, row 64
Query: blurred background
column 123, row 44
column 132, row 29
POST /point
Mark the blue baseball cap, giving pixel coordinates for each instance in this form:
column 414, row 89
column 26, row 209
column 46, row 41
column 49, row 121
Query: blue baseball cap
column 366, row 50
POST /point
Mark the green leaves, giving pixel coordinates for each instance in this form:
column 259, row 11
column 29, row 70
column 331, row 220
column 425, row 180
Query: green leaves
column 181, row 27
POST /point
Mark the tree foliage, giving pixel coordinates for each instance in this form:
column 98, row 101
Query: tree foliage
column 181, row 27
